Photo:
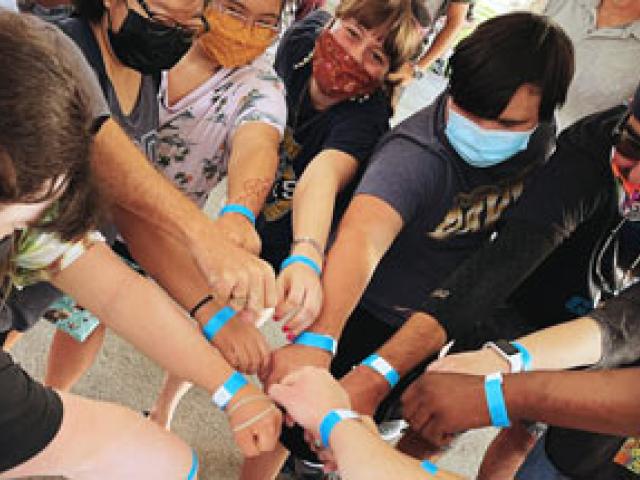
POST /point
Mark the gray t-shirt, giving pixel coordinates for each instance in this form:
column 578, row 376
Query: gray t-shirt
column 607, row 66
column 448, row 207
column 24, row 307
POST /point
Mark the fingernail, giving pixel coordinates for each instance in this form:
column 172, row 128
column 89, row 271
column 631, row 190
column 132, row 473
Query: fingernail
column 291, row 337
column 285, row 328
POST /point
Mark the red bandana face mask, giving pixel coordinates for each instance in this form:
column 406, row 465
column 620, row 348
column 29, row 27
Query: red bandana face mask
column 337, row 73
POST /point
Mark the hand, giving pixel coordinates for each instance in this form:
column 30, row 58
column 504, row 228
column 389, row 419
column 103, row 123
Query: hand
column 308, row 394
column 403, row 76
column 478, row 362
column 300, row 293
column 366, row 389
column 262, row 435
column 440, row 405
column 290, row 358
column 238, row 230
column 232, row 271
column 242, row 345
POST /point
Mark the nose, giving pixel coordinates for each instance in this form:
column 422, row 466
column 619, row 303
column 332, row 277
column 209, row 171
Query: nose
column 358, row 52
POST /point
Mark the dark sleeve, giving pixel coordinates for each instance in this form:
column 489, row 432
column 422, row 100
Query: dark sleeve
column 356, row 129
column 24, row 307
column 619, row 321
column 404, row 176
column 74, row 57
column 564, row 193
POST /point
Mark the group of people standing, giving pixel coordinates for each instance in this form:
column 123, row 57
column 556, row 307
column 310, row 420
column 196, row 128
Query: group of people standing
column 496, row 218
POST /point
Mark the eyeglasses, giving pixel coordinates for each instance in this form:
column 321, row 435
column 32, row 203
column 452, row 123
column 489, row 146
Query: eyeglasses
column 235, row 11
column 625, row 140
column 198, row 26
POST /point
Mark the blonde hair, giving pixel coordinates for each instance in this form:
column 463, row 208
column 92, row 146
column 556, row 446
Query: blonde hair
column 404, row 38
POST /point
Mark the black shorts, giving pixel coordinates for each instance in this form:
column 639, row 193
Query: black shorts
column 30, row 415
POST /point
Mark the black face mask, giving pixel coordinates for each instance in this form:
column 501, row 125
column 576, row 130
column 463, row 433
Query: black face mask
column 148, row 46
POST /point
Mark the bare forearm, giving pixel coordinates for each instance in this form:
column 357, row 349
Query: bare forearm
column 141, row 313
column 420, row 337
column 127, row 179
column 441, row 43
column 253, row 164
column 600, row 401
column 362, row 455
column 568, row 345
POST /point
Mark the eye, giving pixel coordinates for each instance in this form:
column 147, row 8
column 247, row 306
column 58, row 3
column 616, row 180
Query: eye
column 352, row 32
column 379, row 58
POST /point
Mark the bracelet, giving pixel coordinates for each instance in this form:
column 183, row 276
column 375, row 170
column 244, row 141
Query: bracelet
column 329, row 422
column 323, row 342
column 290, row 260
column 199, row 305
column 219, row 320
column 246, row 400
column 495, row 400
column 429, row 467
column 384, row 368
column 241, row 209
column 525, row 355
column 223, row 395
column 311, row 241
column 256, row 419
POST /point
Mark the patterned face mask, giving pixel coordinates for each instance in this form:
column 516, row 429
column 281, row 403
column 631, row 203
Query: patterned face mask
column 231, row 42
column 337, row 73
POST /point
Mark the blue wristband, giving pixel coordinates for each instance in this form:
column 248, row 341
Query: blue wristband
column 219, row 320
column 301, row 259
column 384, row 368
column 241, row 209
column 323, row 342
column 429, row 467
column 195, row 465
column 495, row 400
column 223, row 395
column 527, row 359
column 333, row 418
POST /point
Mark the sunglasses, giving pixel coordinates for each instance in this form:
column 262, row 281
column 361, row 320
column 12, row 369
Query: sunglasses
column 625, row 140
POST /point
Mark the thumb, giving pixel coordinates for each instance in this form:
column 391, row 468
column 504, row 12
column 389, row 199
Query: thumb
column 281, row 394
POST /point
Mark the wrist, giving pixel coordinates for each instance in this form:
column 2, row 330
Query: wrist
column 521, row 391
column 318, row 341
column 308, row 250
column 329, row 423
column 377, row 385
column 383, row 368
column 239, row 211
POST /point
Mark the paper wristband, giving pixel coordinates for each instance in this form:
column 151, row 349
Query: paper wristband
column 384, row 368
column 527, row 359
column 429, row 467
column 323, row 342
column 495, row 400
column 333, row 418
column 223, row 395
column 195, row 465
column 301, row 259
column 241, row 209
column 219, row 320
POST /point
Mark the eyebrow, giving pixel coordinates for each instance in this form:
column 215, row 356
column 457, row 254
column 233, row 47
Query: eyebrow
column 511, row 122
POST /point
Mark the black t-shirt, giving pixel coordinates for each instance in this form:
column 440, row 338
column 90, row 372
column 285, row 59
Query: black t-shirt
column 352, row 127
column 448, row 207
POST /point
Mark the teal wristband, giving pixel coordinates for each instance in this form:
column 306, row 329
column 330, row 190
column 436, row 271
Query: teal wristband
column 384, row 368
column 223, row 395
column 527, row 359
column 329, row 422
column 195, row 465
column 241, row 209
column 495, row 400
column 429, row 467
column 301, row 259
column 219, row 320
column 323, row 342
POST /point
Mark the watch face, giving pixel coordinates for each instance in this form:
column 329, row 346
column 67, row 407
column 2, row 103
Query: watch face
column 506, row 347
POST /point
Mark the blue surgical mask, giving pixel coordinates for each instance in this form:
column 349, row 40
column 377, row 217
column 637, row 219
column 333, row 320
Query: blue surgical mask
column 480, row 147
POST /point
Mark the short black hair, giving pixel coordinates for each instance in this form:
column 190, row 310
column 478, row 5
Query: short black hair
column 89, row 10
column 506, row 52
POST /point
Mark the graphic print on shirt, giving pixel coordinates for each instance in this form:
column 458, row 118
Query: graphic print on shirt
column 280, row 201
column 477, row 210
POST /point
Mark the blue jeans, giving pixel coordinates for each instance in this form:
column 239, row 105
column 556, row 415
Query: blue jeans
column 537, row 465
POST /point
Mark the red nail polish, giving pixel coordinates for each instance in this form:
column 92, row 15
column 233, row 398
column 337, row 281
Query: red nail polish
column 285, row 328
column 291, row 337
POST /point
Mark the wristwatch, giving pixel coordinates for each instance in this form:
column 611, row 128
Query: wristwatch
column 509, row 353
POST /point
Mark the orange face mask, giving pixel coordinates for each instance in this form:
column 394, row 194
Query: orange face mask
column 230, row 42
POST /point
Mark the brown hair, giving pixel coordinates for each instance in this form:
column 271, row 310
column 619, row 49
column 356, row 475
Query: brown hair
column 404, row 38
column 45, row 127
